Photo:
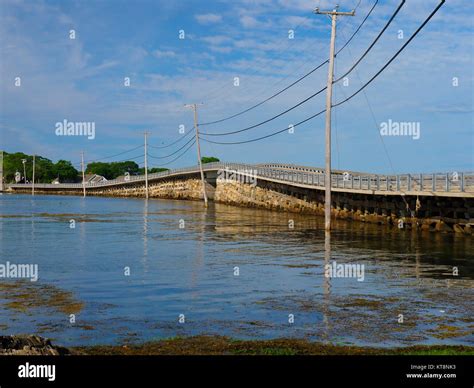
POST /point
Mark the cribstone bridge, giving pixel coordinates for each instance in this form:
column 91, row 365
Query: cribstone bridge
column 439, row 201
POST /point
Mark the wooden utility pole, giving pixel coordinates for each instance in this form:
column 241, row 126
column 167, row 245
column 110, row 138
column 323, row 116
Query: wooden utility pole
column 83, row 175
column 146, row 165
column 33, row 180
column 327, row 181
column 194, row 107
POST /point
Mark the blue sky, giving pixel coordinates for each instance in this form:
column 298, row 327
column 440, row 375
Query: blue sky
column 82, row 79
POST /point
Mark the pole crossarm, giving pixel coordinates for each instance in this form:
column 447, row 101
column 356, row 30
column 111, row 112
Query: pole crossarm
column 316, row 11
column 334, row 12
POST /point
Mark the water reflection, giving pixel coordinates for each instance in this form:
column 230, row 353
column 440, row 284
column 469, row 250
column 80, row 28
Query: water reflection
column 326, row 284
column 190, row 271
column 145, row 234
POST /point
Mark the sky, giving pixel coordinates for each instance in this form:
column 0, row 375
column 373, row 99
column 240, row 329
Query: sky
column 47, row 77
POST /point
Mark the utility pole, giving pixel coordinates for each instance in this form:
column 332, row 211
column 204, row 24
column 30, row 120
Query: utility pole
column 146, row 165
column 83, row 175
column 194, row 107
column 33, row 180
column 327, row 181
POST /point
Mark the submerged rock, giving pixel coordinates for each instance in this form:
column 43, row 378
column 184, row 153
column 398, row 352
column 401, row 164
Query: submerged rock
column 29, row 345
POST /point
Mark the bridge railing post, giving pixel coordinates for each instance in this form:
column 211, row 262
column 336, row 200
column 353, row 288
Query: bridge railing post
column 421, row 182
column 462, row 182
column 447, row 182
column 433, row 182
column 398, row 182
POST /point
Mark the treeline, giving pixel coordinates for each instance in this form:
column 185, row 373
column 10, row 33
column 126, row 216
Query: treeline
column 46, row 171
column 115, row 169
column 209, row 159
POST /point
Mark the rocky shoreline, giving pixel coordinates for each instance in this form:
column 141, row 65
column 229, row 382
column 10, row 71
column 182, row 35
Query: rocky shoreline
column 32, row 345
column 29, row 345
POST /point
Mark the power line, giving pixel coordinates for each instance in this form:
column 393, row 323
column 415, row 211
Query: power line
column 167, row 156
column 374, row 42
column 351, row 96
column 129, row 159
column 295, row 82
column 218, row 89
column 270, row 135
column 293, row 71
column 179, row 156
column 171, row 144
column 314, row 94
column 108, row 157
column 396, row 54
column 135, row 148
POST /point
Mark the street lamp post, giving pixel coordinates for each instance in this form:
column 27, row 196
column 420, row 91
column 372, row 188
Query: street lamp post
column 24, row 169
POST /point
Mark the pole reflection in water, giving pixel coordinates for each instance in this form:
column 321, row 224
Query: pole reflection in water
column 199, row 257
column 145, row 235
column 326, row 285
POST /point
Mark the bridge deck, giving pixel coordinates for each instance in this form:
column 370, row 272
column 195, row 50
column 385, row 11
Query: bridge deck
column 438, row 184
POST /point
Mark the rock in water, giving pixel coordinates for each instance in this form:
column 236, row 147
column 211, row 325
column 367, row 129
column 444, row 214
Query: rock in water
column 29, row 345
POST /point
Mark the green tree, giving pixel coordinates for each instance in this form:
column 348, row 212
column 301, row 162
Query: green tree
column 209, row 159
column 65, row 171
column 44, row 168
column 99, row 168
column 141, row 171
column 113, row 170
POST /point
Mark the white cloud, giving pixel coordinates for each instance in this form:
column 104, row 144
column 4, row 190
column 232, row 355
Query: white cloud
column 164, row 54
column 208, row 18
column 248, row 21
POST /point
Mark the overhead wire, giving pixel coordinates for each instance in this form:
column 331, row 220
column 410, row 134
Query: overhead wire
column 314, row 94
column 174, row 153
column 298, row 80
column 352, row 95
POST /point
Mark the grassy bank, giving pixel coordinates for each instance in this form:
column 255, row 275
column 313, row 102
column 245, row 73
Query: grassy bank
column 204, row 345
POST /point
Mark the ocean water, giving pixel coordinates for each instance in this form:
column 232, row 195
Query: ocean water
column 132, row 270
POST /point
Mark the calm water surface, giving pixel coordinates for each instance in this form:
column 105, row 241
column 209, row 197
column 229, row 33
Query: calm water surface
column 190, row 271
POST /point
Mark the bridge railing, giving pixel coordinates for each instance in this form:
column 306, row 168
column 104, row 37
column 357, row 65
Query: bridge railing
column 436, row 182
